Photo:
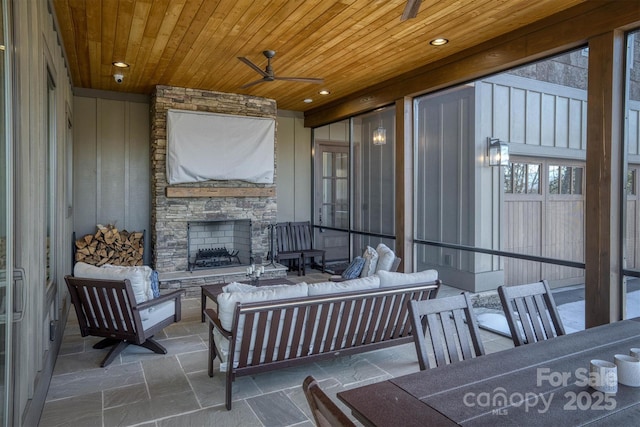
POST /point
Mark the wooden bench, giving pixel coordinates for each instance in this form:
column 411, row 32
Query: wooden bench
column 289, row 332
column 295, row 242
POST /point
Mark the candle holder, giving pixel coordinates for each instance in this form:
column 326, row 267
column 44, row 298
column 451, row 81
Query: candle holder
column 254, row 273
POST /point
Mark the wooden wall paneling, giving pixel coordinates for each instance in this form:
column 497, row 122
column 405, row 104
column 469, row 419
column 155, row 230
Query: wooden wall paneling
column 84, row 165
column 603, row 185
column 286, row 171
column 303, row 190
column 112, row 156
column 137, row 202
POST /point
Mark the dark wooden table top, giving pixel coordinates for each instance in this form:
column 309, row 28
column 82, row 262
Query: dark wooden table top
column 545, row 383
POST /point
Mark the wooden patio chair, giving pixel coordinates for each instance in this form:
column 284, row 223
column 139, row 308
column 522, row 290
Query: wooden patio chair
column 446, row 326
column 531, row 312
column 302, row 234
column 325, row 412
column 108, row 309
column 285, row 246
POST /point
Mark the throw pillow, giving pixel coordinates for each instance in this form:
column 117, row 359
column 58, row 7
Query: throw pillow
column 354, row 269
column 370, row 262
column 385, row 258
column 389, row 279
column 155, row 284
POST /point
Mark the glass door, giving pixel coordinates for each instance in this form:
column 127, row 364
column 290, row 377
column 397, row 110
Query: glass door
column 332, row 199
column 6, row 276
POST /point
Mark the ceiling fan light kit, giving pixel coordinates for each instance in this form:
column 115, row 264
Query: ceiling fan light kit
column 268, row 75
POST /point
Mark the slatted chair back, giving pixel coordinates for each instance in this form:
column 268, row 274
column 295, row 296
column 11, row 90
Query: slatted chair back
column 531, row 312
column 105, row 308
column 447, row 327
column 302, row 236
column 325, row 412
column 284, row 239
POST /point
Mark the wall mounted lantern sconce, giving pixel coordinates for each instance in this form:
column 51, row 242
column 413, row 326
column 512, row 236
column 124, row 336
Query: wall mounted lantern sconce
column 498, row 152
column 380, row 135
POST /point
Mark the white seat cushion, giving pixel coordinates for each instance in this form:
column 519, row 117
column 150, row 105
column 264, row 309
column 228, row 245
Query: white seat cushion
column 140, row 277
column 227, row 300
column 153, row 315
column 361, row 284
column 389, row 279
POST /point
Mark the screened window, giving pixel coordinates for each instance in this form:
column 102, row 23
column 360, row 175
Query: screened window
column 565, row 179
column 522, row 178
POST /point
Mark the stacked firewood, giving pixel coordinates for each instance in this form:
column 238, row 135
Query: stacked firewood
column 110, row 246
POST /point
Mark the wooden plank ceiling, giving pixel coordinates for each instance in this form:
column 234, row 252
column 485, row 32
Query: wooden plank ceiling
column 351, row 44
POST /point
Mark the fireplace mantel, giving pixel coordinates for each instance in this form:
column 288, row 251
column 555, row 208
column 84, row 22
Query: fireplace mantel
column 220, row 192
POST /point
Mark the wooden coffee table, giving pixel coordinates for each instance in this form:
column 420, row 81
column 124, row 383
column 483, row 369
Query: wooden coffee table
column 212, row 291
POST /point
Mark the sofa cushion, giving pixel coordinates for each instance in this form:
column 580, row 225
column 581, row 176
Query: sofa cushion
column 389, row 279
column 385, row 258
column 227, row 300
column 140, row 277
column 354, row 269
column 370, row 262
column 153, row 315
column 238, row 287
column 361, row 284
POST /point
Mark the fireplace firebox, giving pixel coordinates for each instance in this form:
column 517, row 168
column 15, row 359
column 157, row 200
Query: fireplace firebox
column 223, row 243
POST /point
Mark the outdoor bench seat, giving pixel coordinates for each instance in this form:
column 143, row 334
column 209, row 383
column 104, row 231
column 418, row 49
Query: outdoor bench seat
column 299, row 330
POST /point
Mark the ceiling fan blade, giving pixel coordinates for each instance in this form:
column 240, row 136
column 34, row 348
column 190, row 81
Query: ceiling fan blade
column 253, row 83
column 253, row 66
column 411, row 9
column 301, row 79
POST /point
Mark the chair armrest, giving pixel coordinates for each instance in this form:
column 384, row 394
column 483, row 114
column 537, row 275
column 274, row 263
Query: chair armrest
column 162, row 298
column 212, row 316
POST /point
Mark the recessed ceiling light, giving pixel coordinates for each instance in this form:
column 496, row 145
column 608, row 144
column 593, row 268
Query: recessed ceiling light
column 324, row 92
column 438, row 42
column 308, row 100
column 120, row 64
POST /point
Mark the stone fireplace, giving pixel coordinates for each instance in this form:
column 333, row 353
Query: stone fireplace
column 175, row 208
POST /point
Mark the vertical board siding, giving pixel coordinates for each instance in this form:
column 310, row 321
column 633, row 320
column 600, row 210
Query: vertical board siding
column 527, row 111
column 444, row 178
column 111, row 165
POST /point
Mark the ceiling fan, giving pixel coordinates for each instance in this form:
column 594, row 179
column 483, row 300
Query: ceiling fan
column 411, row 9
column 268, row 75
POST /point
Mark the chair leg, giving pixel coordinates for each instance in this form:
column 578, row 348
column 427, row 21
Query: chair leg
column 115, row 351
column 107, row 342
column 154, row 346
column 212, row 352
column 228, row 385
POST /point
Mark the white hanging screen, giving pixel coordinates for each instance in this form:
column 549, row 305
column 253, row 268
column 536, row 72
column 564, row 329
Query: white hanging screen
column 207, row 146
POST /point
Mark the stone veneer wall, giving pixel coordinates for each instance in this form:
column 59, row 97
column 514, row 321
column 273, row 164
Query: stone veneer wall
column 169, row 216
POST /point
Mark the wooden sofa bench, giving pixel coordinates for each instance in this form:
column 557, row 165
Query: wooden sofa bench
column 293, row 331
